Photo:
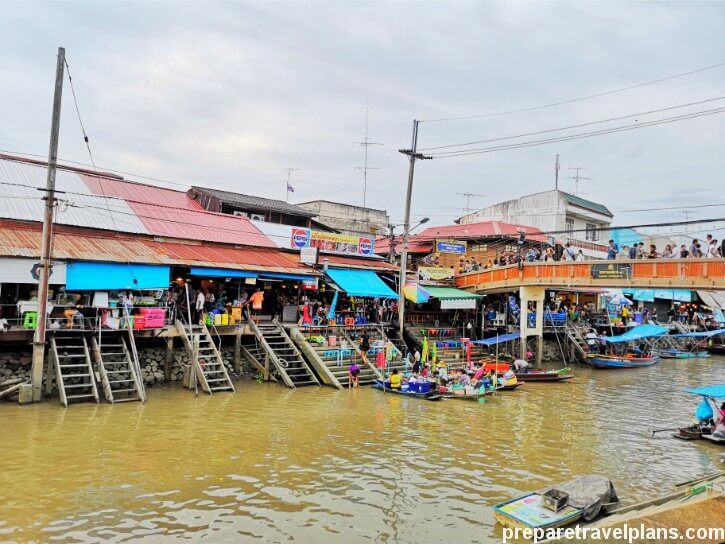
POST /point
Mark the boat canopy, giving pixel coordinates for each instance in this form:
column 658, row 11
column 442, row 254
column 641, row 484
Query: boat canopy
column 637, row 333
column 703, row 334
column 713, row 391
column 497, row 339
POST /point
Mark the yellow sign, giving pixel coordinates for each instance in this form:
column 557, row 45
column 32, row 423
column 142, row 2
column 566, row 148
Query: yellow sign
column 435, row 273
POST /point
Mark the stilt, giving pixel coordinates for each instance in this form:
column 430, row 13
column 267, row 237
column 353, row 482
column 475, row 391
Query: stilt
column 169, row 358
column 237, row 363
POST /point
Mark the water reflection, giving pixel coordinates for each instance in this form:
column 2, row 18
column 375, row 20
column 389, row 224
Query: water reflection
column 334, row 466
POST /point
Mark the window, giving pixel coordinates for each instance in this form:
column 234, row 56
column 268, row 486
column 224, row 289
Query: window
column 569, row 226
column 592, row 232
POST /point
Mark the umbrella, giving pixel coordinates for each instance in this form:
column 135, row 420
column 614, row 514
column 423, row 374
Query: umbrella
column 414, row 293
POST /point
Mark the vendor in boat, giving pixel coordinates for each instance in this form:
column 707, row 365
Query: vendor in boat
column 396, row 380
column 442, row 370
column 521, row 366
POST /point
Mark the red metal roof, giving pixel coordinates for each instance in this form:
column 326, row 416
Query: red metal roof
column 484, row 229
column 382, row 246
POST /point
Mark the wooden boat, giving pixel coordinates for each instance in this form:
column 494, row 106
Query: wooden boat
column 430, row 395
column 544, row 376
column 694, row 432
column 679, row 354
column 717, row 349
column 509, row 386
column 616, row 361
column 714, row 439
column 479, row 394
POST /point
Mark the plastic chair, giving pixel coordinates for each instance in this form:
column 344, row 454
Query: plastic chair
column 30, row 320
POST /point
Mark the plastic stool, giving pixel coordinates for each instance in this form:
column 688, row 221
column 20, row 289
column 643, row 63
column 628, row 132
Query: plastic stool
column 30, row 320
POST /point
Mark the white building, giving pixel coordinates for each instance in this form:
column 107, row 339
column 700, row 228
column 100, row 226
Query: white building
column 348, row 218
column 567, row 217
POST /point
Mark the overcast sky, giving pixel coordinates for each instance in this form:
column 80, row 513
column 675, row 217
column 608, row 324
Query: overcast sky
column 228, row 95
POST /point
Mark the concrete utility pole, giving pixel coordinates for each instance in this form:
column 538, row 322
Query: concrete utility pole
column 365, row 144
column 413, row 155
column 36, row 373
column 577, row 178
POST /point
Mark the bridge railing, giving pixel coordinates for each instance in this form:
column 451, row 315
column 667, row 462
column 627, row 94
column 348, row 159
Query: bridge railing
column 702, row 273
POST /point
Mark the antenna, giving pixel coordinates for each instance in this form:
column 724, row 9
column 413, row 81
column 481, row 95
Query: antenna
column 288, row 188
column 365, row 144
column 577, row 178
column 468, row 196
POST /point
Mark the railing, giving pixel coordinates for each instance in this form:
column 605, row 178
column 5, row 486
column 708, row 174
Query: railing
column 692, row 273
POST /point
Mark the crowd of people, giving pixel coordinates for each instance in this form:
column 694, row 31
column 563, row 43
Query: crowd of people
column 708, row 248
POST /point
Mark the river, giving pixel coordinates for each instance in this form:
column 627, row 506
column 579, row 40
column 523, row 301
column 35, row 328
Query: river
column 326, row 466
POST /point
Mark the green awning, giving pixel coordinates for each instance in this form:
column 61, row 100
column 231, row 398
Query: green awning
column 448, row 293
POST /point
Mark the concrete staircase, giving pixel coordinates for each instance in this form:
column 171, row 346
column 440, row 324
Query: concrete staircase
column 453, row 356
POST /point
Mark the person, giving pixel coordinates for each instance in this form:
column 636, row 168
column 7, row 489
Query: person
column 442, row 370
column 416, row 361
column 353, row 376
column 612, row 250
column 579, row 256
column 592, row 340
column 633, row 251
column 199, row 306
column 71, row 312
column 712, row 251
column 640, row 250
column 568, row 254
column 521, row 366
column 652, row 252
column 693, row 248
column 683, row 252
column 625, row 315
column 256, row 301
column 396, row 380
column 668, row 253
column 364, row 346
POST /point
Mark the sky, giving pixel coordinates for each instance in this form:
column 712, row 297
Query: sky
column 228, row 95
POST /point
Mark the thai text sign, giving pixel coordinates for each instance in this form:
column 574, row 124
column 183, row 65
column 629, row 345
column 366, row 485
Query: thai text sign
column 330, row 242
column 612, row 271
column 447, row 246
column 435, row 273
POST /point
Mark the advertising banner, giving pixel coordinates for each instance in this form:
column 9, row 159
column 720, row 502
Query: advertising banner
column 459, row 304
column 449, row 246
column 435, row 273
column 613, row 271
column 330, row 242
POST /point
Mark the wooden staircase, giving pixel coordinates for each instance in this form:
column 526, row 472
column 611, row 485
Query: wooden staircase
column 577, row 340
column 207, row 364
column 275, row 345
column 73, row 368
column 118, row 368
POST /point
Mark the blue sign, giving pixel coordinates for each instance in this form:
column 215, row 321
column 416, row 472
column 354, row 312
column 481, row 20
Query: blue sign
column 451, row 247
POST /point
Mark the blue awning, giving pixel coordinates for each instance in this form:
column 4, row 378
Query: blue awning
column 497, row 339
column 89, row 276
column 291, row 277
column 221, row 272
column 703, row 334
column 637, row 333
column 361, row 283
column 714, row 391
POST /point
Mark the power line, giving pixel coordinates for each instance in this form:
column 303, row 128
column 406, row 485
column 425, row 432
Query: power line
column 78, row 112
column 572, row 100
column 579, row 136
column 536, row 133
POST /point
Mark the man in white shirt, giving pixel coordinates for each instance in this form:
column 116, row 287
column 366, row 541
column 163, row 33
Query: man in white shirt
column 592, row 341
column 199, row 306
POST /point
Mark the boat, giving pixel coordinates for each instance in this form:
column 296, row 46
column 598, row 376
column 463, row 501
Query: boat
column 691, row 345
column 430, row 395
column 615, row 361
column 509, row 386
column 582, row 498
column 474, row 396
column 537, row 375
column 705, row 430
column 693, row 432
column 673, row 353
column 716, row 349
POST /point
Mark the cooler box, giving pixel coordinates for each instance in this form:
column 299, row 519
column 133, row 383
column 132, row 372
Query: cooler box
column 380, row 359
column 420, row 387
column 153, row 318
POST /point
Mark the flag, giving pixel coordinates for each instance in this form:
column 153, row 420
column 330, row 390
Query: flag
column 290, row 189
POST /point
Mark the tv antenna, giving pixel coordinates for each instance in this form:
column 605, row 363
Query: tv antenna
column 468, row 196
column 365, row 145
column 577, row 178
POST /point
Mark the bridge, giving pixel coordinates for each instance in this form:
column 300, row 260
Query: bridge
column 649, row 273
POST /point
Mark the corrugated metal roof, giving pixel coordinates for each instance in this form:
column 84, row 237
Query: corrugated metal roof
column 484, row 229
column 254, row 202
column 588, row 204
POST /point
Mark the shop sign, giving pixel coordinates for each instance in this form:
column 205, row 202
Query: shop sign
column 444, row 246
column 435, row 273
column 330, row 242
column 308, row 255
column 612, row 271
column 459, row 304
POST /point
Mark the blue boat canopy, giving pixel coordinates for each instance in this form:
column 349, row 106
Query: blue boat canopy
column 714, row 391
column 361, row 283
column 497, row 339
column 637, row 333
column 703, row 334
column 92, row 276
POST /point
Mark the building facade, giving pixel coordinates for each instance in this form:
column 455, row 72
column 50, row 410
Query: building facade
column 566, row 217
column 347, row 218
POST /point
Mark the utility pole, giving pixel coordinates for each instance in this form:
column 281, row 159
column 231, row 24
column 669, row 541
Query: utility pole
column 391, row 235
column 365, row 144
column 556, row 173
column 288, row 188
column 577, row 178
column 413, row 155
column 468, row 196
column 36, row 372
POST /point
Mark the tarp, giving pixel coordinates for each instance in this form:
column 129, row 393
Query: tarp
column 713, row 299
column 221, row 272
column 703, row 334
column 448, row 293
column 88, row 276
column 714, row 391
column 637, row 333
column 290, row 277
column 360, row 283
column 588, row 493
column 497, row 339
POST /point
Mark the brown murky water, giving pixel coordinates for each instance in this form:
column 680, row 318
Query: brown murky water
column 318, row 465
